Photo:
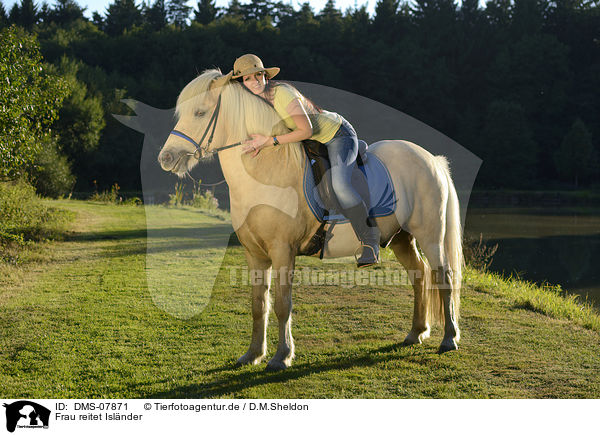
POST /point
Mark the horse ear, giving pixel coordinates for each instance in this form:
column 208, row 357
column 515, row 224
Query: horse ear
column 221, row 81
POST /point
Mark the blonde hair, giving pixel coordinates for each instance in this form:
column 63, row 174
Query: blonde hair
column 241, row 114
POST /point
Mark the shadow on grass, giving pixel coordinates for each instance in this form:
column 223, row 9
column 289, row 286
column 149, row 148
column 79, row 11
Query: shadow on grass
column 163, row 240
column 162, row 233
column 235, row 380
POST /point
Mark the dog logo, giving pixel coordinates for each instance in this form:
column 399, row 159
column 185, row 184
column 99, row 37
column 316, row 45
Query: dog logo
column 26, row 414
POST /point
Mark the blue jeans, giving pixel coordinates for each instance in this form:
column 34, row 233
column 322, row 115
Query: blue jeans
column 342, row 150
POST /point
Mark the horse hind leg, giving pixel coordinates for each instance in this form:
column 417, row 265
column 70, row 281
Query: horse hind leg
column 443, row 289
column 404, row 246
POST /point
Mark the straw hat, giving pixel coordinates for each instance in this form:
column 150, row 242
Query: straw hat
column 250, row 64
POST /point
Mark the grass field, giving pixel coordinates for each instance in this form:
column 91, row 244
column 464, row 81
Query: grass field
column 82, row 322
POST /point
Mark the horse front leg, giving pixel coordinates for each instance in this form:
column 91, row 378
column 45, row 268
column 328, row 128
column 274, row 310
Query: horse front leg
column 283, row 269
column 260, row 277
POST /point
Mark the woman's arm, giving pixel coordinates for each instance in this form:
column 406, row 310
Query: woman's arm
column 303, row 130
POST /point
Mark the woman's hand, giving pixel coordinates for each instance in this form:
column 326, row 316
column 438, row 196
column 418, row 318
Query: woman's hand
column 257, row 143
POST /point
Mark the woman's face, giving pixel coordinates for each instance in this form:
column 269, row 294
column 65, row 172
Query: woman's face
column 255, row 82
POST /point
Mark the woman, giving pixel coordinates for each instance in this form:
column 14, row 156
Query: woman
column 307, row 121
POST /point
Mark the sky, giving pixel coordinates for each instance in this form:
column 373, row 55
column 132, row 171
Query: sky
column 101, row 5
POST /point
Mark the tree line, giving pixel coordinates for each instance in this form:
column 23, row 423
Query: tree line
column 516, row 81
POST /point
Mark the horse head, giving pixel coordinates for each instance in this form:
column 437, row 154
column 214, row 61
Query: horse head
column 196, row 114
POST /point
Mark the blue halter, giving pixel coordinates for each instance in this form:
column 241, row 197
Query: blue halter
column 212, row 123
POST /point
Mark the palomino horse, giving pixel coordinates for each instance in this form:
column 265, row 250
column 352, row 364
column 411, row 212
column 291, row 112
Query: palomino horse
column 274, row 223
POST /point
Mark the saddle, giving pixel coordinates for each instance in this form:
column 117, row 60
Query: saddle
column 316, row 152
column 319, row 163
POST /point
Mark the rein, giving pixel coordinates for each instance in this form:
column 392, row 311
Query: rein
column 212, row 123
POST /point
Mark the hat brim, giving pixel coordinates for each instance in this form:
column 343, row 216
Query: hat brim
column 271, row 72
column 221, row 81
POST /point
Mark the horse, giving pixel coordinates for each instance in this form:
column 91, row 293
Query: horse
column 273, row 222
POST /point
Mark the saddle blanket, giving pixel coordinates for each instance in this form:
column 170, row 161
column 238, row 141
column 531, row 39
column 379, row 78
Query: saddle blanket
column 371, row 180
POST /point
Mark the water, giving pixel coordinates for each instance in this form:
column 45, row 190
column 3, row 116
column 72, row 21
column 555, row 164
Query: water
column 544, row 245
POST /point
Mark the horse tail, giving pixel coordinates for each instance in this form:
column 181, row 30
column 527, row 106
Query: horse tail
column 453, row 252
column 432, row 298
column 453, row 242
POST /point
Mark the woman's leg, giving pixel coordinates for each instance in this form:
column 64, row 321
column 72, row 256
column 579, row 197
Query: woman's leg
column 342, row 150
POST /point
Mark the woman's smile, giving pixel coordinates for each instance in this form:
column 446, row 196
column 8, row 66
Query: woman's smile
column 255, row 82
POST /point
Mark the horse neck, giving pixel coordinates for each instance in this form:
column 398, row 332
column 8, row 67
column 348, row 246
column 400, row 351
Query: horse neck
column 273, row 167
column 271, row 178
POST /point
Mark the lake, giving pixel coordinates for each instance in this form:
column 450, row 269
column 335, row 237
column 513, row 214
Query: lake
column 552, row 245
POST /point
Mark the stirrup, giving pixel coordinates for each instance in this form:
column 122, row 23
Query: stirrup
column 356, row 258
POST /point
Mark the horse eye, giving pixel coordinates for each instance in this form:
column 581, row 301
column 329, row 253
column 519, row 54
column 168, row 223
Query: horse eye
column 199, row 113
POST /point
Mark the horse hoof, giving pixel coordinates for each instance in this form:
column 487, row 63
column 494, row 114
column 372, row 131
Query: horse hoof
column 447, row 347
column 414, row 338
column 247, row 359
column 407, row 343
column 275, row 366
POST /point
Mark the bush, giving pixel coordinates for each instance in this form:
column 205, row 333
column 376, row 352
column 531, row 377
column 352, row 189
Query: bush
column 477, row 254
column 26, row 219
column 205, row 201
column 176, row 199
column 111, row 196
column 51, row 172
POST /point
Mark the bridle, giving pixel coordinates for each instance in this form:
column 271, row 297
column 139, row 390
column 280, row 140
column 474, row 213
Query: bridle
column 199, row 148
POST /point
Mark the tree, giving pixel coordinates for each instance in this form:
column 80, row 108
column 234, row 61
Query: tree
column 534, row 72
column 65, row 12
column 360, row 20
column 257, row 10
column 122, row 15
column 234, row 9
column 3, row 16
column 178, row 12
column 330, row 30
column 207, row 11
column 43, row 15
column 509, row 151
column 30, row 99
column 26, row 14
column 469, row 12
column 498, row 13
column 385, row 15
column 527, row 17
column 81, row 118
column 156, row 15
column 99, row 21
column 282, row 13
column 575, row 159
column 330, row 13
column 306, row 13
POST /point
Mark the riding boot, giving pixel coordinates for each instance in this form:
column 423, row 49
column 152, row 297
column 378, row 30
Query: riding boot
column 367, row 232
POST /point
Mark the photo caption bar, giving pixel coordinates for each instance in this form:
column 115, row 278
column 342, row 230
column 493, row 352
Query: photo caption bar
column 298, row 416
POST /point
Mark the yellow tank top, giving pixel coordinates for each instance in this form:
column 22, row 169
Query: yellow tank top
column 325, row 124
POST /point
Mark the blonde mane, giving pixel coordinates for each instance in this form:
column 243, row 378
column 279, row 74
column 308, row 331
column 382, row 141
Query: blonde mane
column 241, row 114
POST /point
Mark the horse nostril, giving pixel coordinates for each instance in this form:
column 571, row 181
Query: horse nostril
column 165, row 157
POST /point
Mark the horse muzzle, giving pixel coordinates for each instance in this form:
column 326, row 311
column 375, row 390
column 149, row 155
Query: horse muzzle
column 173, row 162
column 166, row 160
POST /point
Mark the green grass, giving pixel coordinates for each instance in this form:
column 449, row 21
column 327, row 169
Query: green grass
column 84, row 324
